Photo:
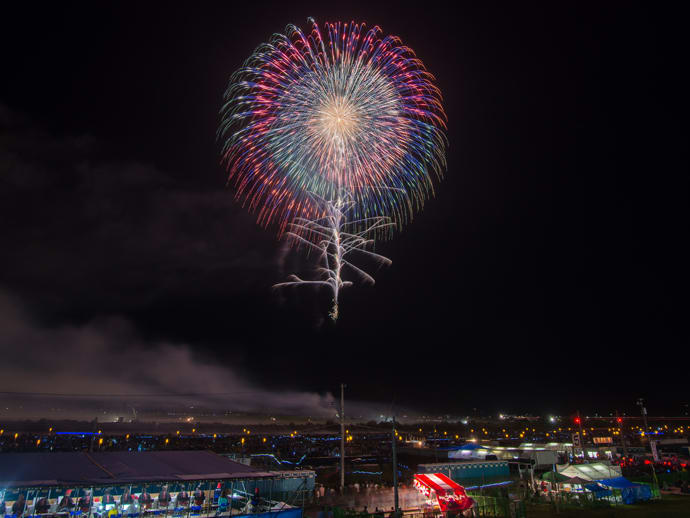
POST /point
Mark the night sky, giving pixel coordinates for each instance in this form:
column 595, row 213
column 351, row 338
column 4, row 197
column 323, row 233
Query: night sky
column 548, row 274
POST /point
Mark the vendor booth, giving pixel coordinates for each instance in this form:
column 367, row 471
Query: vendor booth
column 441, row 491
column 604, row 481
column 179, row 484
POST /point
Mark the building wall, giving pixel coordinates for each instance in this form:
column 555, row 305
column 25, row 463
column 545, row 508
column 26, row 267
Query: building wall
column 459, row 471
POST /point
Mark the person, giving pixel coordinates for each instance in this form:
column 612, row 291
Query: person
column 126, row 498
column 164, row 498
column 145, row 499
column 42, row 506
column 256, row 497
column 223, row 501
column 199, row 497
column 66, row 502
column 19, row 506
column 108, row 500
column 85, row 502
column 182, row 499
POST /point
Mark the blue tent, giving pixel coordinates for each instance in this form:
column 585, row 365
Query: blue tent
column 599, row 492
column 630, row 492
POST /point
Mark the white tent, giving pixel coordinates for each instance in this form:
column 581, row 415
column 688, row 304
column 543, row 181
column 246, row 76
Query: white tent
column 595, row 471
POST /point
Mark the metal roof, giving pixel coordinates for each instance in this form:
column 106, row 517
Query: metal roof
column 77, row 468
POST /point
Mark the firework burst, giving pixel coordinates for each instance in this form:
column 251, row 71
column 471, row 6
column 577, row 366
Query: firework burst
column 336, row 136
column 345, row 111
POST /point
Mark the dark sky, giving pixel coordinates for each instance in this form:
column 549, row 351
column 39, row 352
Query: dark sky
column 549, row 273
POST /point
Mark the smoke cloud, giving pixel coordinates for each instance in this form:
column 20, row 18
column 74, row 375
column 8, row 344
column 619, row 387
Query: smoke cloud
column 107, row 357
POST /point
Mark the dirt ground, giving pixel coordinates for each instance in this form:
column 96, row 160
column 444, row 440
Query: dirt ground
column 667, row 507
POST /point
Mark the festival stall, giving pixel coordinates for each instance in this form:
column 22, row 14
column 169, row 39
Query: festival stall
column 441, row 491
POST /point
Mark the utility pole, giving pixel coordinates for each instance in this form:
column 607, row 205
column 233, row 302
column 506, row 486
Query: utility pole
column 582, row 440
column 643, row 411
column 94, row 429
column 394, row 439
column 621, row 431
column 342, row 438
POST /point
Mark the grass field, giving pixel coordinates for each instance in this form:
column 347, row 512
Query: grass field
column 667, row 507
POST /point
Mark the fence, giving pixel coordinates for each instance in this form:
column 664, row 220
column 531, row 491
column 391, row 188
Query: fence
column 486, row 506
column 587, row 500
column 493, row 506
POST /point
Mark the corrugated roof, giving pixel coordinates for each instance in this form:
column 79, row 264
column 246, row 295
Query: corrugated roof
column 52, row 469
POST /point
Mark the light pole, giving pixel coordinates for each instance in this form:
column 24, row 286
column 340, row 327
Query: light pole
column 395, row 469
column 621, row 431
column 578, row 420
column 342, row 438
column 643, row 411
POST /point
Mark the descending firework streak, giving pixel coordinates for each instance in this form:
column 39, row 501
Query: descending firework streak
column 336, row 137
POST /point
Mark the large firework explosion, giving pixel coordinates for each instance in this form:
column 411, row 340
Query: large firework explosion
column 345, row 122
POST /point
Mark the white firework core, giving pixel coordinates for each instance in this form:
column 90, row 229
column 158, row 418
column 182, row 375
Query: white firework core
column 339, row 126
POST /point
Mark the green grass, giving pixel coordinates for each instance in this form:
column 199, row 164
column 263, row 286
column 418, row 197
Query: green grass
column 667, row 507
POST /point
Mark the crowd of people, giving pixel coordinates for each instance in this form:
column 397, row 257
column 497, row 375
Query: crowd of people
column 110, row 505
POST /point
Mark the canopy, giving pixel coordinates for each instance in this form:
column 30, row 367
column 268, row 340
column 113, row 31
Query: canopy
column 630, row 492
column 471, row 446
column 616, row 482
column 450, row 495
column 82, row 468
column 590, row 472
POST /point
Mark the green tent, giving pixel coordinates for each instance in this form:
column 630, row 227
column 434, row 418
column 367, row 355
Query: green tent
column 550, row 476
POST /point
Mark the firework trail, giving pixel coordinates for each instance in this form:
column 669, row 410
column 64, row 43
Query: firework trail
column 332, row 133
column 331, row 237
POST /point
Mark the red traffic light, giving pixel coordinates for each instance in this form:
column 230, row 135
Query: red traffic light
column 577, row 420
column 620, row 420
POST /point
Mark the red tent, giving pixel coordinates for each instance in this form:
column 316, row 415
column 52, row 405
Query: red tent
column 450, row 495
